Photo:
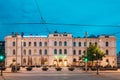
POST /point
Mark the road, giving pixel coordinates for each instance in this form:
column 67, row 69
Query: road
column 38, row 74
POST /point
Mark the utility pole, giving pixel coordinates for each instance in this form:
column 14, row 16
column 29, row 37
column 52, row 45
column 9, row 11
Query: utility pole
column 86, row 51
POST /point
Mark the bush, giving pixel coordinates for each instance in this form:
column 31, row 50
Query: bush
column 29, row 68
column 71, row 68
column 58, row 68
column 44, row 68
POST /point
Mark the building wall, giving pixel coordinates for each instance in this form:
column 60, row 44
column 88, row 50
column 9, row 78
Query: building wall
column 50, row 58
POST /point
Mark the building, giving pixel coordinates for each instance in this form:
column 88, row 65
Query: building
column 118, row 59
column 2, row 45
column 56, row 49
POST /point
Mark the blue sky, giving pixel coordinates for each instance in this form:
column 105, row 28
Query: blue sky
column 86, row 12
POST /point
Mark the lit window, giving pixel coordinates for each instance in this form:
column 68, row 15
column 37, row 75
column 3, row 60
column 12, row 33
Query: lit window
column 35, row 51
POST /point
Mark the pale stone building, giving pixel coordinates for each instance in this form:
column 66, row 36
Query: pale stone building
column 56, row 49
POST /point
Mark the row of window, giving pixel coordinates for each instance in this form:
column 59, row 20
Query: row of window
column 57, row 44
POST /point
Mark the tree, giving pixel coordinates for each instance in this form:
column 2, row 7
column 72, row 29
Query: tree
column 94, row 53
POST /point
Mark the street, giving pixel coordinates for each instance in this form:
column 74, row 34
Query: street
column 51, row 74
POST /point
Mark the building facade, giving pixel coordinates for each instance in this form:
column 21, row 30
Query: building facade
column 58, row 49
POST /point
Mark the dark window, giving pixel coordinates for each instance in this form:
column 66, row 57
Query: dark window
column 65, row 43
column 74, row 60
column 55, row 43
column 84, row 43
column 29, row 52
column 60, row 43
column 95, row 43
column 74, row 52
column 84, row 52
column 45, row 44
column 55, row 51
column 79, row 44
column 79, row 52
column 35, row 44
column 24, row 52
column 45, row 52
column 107, row 52
column 24, row 44
column 65, row 51
column 40, row 52
column 74, row 44
column 13, row 51
column 29, row 43
column 90, row 43
column 60, row 51
column 107, row 44
column 40, row 43
column 13, row 43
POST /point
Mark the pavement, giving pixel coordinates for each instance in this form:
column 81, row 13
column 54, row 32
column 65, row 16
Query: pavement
column 52, row 74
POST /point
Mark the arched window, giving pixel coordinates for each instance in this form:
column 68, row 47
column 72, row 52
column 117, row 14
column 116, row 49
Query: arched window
column 35, row 44
column 24, row 44
column 29, row 52
column 74, row 52
column 45, row 51
column 45, row 44
column 13, row 51
column 74, row 44
column 55, row 43
column 79, row 52
column 29, row 43
column 60, row 51
column 13, row 43
column 65, row 43
column 40, row 52
column 74, row 60
column 60, row 43
column 35, row 51
column 65, row 51
column 55, row 51
column 107, row 52
column 40, row 43
column 79, row 44
column 85, row 44
column 24, row 52
column 107, row 44
column 90, row 43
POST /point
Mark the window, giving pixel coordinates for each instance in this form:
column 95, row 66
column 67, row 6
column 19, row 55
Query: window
column 13, row 51
column 24, row 44
column 13, row 43
column 85, row 44
column 65, row 51
column 35, row 51
column 55, row 51
column 84, row 52
column 24, row 52
column 79, row 44
column 79, row 52
column 29, row 52
column 74, row 44
column 40, row 43
column 35, row 44
column 60, row 51
column 107, row 43
column 29, row 43
column 90, row 43
column 40, row 52
column 74, row 52
column 95, row 43
column 60, row 43
column 55, row 43
column 65, row 43
column 107, row 52
column 45, row 51
column 45, row 44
